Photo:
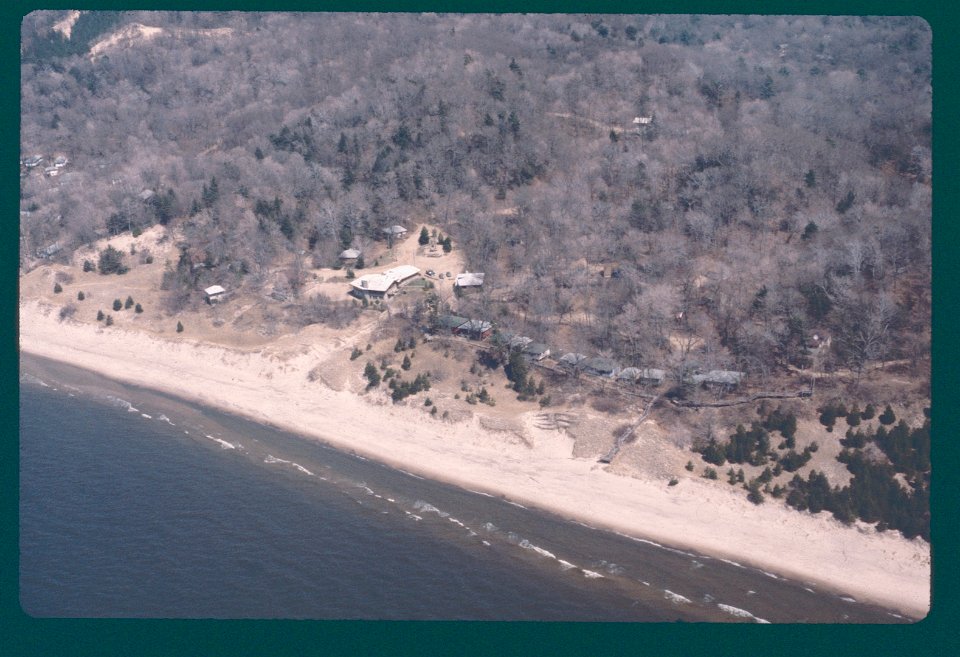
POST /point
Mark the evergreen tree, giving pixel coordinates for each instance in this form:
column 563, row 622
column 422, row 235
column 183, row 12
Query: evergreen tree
column 138, row 309
column 109, row 321
column 810, row 179
column 100, row 315
column 57, row 289
column 128, row 303
column 179, row 327
column 424, row 237
column 117, row 304
column 447, row 245
column 405, row 365
column 372, row 375
column 887, row 417
column 81, row 296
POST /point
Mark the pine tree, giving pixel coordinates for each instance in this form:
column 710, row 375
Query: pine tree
column 424, row 237
column 179, row 327
column 128, row 303
column 887, row 417
column 109, row 320
column 81, row 296
column 57, row 289
column 117, row 304
column 447, row 246
column 100, row 315
column 139, row 308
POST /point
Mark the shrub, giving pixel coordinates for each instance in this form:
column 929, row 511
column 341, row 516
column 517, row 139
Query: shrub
column 81, row 296
column 179, row 327
column 67, row 311
column 674, row 481
column 433, row 411
column 117, row 304
column 138, row 309
column 88, row 266
column 689, row 466
column 710, row 473
column 57, row 289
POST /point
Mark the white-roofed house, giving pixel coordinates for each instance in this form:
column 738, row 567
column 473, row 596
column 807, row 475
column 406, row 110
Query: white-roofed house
column 380, row 286
column 468, row 281
column 214, row 294
column 349, row 256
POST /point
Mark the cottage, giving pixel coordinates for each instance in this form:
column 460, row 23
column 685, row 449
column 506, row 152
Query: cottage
column 31, row 162
column 395, row 232
column 60, row 161
column 50, row 250
column 450, row 322
column 214, row 294
column 649, row 376
column 349, row 256
column 475, row 328
column 380, row 286
column 572, row 361
column 536, row 351
column 468, row 281
column 628, row 375
column 600, row 367
column 723, row 379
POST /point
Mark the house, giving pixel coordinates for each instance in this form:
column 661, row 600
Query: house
column 600, row 367
column 572, row 361
column 395, row 232
column 475, row 328
column 642, row 120
column 380, row 286
column 31, row 162
column 349, row 256
column 723, row 379
column 214, row 294
column 60, row 161
column 146, row 195
column 536, row 351
column 50, row 250
column 467, row 281
column 650, row 376
column 628, row 375
column 51, row 171
column 450, row 322
column 519, row 342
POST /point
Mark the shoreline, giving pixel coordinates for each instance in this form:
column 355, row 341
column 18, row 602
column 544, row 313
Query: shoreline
column 883, row 569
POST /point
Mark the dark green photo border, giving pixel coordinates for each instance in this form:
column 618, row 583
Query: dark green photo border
column 937, row 634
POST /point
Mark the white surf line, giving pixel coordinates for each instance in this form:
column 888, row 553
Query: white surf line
column 676, row 598
column 223, row 443
column 741, row 613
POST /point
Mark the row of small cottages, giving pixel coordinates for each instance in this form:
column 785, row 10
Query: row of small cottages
column 600, row 367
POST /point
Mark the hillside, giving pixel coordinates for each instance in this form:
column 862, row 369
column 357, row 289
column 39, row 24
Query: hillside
column 689, row 193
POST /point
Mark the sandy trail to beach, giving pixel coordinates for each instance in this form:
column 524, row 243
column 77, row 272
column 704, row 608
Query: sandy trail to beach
column 882, row 568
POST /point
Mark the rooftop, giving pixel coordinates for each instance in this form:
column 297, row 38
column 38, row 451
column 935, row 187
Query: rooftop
column 469, row 280
column 214, row 290
column 382, row 282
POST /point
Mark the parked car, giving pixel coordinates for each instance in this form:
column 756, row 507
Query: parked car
column 430, row 272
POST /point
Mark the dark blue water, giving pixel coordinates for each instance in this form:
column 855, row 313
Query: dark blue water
column 190, row 513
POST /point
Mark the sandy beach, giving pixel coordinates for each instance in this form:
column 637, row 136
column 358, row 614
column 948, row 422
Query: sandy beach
column 272, row 385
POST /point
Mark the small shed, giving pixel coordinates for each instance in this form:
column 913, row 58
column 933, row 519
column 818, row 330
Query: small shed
column 214, row 294
column 60, row 161
column 31, row 162
column 395, row 231
column 642, row 120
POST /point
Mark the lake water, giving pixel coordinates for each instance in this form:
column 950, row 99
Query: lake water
column 137, row 504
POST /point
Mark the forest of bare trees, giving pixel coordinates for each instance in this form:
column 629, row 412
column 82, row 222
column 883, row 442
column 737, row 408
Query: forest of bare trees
column 781, row 188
